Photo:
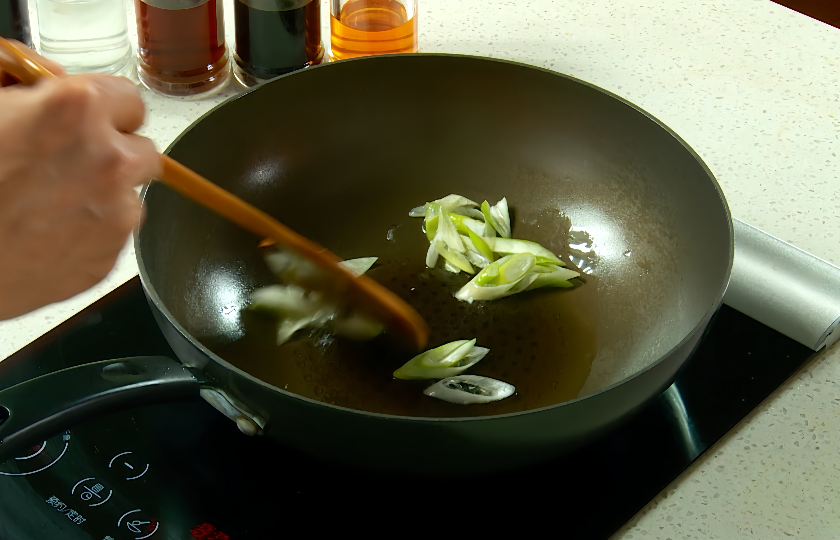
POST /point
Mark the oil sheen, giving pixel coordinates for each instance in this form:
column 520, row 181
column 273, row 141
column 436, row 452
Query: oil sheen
column 543, row 342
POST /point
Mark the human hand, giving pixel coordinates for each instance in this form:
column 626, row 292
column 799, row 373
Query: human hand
column 68, row 166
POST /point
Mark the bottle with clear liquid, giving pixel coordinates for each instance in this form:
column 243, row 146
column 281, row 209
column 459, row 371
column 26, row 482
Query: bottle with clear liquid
column 14, row 20
column 86, row 35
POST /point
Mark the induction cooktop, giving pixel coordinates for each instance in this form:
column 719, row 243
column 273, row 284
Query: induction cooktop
column 184, row 471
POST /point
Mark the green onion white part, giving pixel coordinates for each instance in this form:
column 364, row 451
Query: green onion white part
column 296, row 308
column 444, row 361
column 498, row 216
column 359, row 266
column 453, row 201
column 473, row 254
column 357, row 327
column 446, row 231
column 470, row 389
column 454, row 258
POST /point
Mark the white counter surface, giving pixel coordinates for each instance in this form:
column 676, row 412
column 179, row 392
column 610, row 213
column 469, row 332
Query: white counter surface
column 754, row 89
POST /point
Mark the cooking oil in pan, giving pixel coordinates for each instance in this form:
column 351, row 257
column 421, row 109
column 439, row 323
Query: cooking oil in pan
column 543, row 342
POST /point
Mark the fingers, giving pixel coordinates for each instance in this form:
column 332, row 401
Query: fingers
column 119, row 99
column 113, row 98
column 143, row 160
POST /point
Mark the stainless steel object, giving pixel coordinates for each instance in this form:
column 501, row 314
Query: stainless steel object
column 784, row 287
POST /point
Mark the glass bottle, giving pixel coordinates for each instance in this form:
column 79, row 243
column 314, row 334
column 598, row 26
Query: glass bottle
column 14, row 20
column 368, row 27
column 275, row 37
column 85, row 35
column 181, row 46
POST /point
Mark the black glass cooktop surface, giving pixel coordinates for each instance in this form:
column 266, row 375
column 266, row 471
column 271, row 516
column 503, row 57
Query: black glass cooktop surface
column 184, row 471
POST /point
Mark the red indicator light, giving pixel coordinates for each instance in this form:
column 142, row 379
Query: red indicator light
column 206, row 531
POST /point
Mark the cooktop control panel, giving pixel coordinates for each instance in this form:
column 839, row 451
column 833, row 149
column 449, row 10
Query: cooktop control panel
column 103, row 481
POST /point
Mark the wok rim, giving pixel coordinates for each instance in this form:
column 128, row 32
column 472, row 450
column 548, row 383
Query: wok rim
column 699, row 327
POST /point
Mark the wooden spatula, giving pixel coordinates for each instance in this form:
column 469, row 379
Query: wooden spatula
column 361, row 293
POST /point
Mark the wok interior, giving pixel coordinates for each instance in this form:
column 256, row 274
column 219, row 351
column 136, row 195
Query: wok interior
column 342, row 152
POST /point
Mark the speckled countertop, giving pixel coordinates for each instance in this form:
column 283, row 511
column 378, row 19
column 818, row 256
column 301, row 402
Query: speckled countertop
column 754, row 89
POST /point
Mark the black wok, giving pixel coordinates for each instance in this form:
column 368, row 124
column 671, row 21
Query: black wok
column 340, row 153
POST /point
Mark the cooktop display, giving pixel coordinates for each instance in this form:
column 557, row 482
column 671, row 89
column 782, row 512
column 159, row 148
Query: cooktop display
column 184, row 471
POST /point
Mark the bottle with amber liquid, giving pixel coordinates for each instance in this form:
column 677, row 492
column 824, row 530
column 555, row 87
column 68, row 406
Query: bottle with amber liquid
column 181, row 46
column 368, row 27
column 14, row 20
column 275, row 37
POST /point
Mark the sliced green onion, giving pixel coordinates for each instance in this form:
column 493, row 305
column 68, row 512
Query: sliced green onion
column 464, row 224
column 558, row 278
column 431, row 227
column 472, row 291
column 293, row 306
column 473, row 254
column 446, row 232
column 473, row 213
column 432, row 256
column 498, row 217
column 357, row 327
column 449, row 268
column 289, row 267
column 430, row 222
column 501, row 218
column 510, row 246
column 470, row 389
column 515, row 268
column 444, row 361
column 544, row 268
column 359, row 266
column 455, row 200
column 285, row 300
column 453, row 257
column 417, row 211
column 488, row 219
column 481, row 246
column 278, row 261
column 490, row 272
column 500, row 279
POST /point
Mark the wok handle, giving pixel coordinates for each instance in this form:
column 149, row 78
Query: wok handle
column 39, row 408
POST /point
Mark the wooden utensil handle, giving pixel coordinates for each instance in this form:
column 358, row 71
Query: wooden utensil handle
column 20, row 66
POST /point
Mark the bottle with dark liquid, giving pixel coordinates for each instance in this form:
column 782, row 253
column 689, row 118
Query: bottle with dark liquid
column 275, row 37
column 181, row 46
column 14, row 20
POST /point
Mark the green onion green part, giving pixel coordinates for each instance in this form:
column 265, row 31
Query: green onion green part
column 444, row 361
column 509, row 246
